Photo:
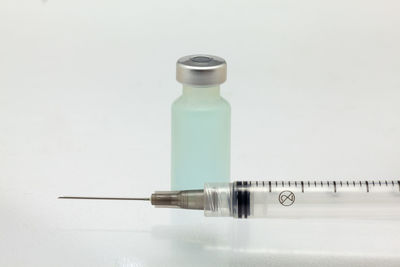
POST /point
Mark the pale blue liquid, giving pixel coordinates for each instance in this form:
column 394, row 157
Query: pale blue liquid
column 200, row 138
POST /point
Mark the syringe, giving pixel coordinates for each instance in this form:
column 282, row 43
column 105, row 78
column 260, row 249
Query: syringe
column 378, row 199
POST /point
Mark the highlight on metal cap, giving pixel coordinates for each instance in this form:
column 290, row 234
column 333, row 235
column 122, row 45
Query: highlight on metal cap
column 201, row 70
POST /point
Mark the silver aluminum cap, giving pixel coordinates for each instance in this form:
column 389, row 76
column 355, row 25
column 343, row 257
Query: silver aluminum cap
column 201, row 70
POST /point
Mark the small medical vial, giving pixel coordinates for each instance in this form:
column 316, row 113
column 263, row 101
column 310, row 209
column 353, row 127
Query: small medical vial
column 200, row 124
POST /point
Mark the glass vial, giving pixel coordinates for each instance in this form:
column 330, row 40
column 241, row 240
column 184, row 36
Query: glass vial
column 200, row 124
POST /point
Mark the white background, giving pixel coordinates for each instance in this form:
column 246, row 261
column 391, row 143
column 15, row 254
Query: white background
column 85, row 95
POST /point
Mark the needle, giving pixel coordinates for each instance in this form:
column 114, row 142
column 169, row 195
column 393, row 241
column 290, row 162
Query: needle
column 105, row 198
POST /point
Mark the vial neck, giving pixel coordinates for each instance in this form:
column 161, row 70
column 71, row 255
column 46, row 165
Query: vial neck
column 203, row 92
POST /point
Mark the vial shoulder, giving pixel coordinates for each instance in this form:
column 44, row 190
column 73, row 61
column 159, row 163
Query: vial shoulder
column 225, row 103
column 178, row 101
column 185, row 103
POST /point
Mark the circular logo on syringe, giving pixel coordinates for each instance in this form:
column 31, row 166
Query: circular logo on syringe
column 286, row 198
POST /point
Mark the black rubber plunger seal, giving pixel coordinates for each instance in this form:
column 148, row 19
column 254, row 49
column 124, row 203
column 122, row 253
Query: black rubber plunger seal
column 242, row 199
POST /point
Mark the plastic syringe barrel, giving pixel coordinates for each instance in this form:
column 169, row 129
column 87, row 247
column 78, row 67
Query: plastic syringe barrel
column 377, row 199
